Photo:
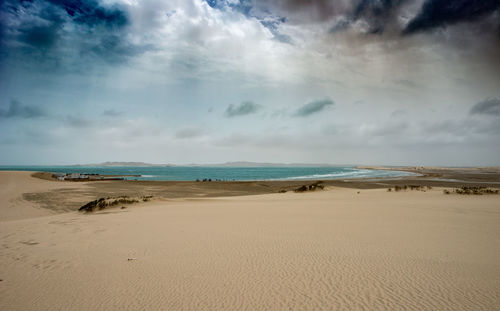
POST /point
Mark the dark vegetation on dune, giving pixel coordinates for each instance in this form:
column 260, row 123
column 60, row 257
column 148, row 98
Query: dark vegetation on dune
column 472, row 191
column 312, row 187
column 467, row 190
column 103, row 203
column 398, row 188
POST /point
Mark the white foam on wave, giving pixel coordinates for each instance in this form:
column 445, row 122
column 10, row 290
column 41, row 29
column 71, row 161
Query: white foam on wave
column 353, row 173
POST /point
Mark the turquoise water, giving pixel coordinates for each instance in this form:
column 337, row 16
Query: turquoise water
column 224, row 173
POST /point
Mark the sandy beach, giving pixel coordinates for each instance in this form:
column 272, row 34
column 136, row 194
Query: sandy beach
column 343, row 248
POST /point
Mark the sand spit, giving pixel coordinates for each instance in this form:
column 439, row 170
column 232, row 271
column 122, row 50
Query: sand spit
column 338, row 249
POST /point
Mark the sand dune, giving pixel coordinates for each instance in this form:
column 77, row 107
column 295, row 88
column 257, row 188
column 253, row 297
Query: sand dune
column 13, row 187
column 335, row 249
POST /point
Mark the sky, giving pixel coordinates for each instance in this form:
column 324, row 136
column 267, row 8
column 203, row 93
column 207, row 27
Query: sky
column 391, row 82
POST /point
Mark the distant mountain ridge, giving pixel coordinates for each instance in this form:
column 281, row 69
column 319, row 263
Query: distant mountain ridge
column 226, row 164
column 108, row 163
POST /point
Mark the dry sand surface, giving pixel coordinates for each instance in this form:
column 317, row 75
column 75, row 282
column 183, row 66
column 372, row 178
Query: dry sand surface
column 330, row 250
column 13, row 186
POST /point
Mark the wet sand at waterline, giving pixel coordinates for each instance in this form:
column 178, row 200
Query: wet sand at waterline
column 333, row 249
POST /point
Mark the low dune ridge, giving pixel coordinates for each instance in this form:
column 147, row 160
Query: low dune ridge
column 340, row 249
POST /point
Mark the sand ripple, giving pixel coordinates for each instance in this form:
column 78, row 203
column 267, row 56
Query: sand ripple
column 334, row 250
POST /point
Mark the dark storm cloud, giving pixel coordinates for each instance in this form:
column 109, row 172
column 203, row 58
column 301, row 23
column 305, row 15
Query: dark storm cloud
column 374, row 7
column 378, row 16
column 490, row 106
column 242, row 109
column 313, row 107
column 435, row 13
column 48, row 32
column 18, row 110
column 32, row 24
column 39, row 36
column 42, row 35
column 92, row 14
column 40, row 22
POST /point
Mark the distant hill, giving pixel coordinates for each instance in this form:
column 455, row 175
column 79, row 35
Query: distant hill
column 124, row 164
column 227, row 164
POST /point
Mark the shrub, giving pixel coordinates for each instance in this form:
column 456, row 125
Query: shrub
column 466, row 190
column 311, row 187
column 102, row 203
column 301, row 189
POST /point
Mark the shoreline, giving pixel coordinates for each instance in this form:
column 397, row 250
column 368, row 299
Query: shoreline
column 469, row 176
column 47, row 196
column 220, row 173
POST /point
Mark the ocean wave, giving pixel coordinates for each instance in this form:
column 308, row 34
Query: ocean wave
column 353, row 173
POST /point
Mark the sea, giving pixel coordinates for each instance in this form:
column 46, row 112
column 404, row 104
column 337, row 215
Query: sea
column 191, row 173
